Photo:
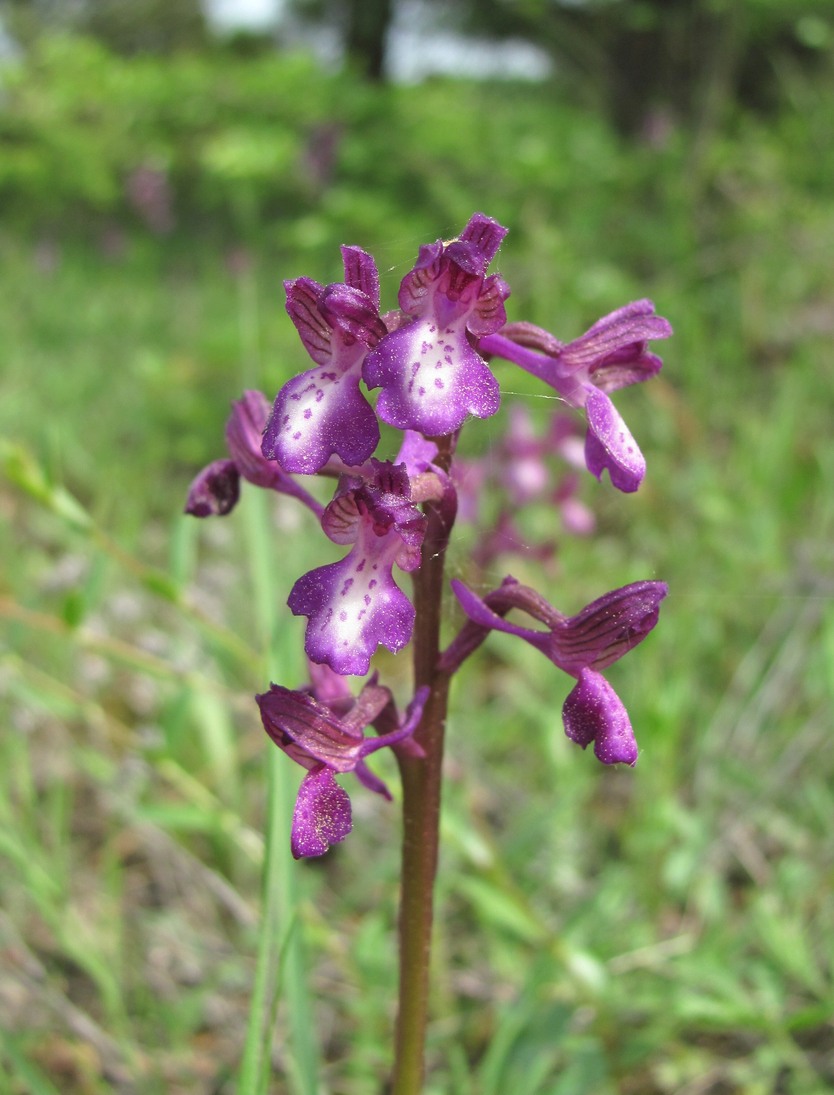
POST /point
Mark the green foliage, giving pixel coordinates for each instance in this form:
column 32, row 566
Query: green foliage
column 644, row 932
column 125, row 26
column 635, row 59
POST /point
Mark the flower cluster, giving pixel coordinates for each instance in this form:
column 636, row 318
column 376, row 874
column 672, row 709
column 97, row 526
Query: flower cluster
column 430, row 364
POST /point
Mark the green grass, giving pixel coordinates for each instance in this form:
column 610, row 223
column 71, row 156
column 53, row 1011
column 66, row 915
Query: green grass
column 652, row 932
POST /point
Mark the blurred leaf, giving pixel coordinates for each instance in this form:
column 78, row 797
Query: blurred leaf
column 501, row 909
column 23, row 469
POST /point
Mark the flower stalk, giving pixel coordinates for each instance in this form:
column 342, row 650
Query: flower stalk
column 421, row 790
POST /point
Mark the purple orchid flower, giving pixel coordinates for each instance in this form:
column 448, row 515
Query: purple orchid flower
column 580, row 645
column 430, row 374
column 611, row 354
column 355, row 605
column 324, row 733
column 322, row 412
column 216, row 489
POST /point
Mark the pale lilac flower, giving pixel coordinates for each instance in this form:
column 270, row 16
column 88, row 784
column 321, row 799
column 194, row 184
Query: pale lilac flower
column 580, row 645
column 520, row 457
column 505, row 537
column 430, row 373
column 355, row 605
column 611, row 354
column 149, row 192
column 322, row 412
column 520, row 471
column 216, row 489
column 324, row 733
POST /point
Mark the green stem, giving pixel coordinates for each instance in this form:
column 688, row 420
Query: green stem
column 281, row 962
column 421, row 782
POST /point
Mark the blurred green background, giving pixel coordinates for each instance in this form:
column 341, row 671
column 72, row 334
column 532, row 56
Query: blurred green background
column 662, row 931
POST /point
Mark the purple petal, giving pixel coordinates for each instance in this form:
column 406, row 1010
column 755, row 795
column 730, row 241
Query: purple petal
column 377, row 507
column 342, row 516
column 612, row 625
column 303, row 308
column 317, row 414
column 431, row 378
column 352, row 314
column 609, row 444
column 352, row 607
column 329, row 688
column 215, row 490
column 485, row 234
column 308, row 730
column 416, row 287
column 244, row 431
column 631, row 365
column 530, row 337
column 593, row 712
column 416, row 452
column 489, row 313
column 361, row 272
column 322, row 814
column 626, row 329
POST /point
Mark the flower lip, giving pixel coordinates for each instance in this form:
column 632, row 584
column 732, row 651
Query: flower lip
column 355, row 605
column 322, row 815
column 593, row 712
column 610, row 444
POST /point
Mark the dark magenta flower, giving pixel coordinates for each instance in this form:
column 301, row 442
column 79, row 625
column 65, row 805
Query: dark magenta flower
column 429, row 371
column 322, row 412
column 580, row 645
column 216, row 489
column 324, row 733
column 355, row 605
column 611, row 354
